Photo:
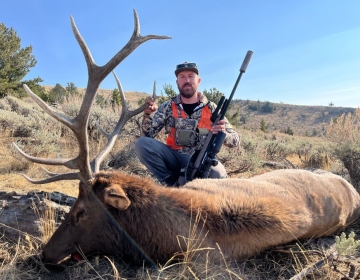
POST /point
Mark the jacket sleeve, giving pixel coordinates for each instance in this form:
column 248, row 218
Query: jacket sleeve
column 232, row 138
column 152, row 124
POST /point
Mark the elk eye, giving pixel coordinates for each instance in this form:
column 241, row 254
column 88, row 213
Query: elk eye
column 79, row 214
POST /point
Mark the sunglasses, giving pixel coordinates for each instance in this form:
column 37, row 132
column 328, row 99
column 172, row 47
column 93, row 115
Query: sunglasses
column 186, row 65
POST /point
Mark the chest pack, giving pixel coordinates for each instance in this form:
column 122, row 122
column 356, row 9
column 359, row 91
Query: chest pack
column 187, row 132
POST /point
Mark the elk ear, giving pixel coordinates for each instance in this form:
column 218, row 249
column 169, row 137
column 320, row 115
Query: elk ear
column 116, row 197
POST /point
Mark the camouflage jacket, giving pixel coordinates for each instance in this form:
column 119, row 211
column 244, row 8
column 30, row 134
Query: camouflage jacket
column 163, row 118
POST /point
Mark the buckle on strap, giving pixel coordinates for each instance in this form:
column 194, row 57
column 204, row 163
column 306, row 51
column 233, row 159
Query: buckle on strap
column 202, row 131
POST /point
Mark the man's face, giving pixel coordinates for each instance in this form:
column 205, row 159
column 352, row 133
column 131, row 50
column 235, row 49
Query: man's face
column 188, row 83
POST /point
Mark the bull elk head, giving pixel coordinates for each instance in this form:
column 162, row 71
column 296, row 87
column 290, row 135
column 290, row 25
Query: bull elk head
column 96, row 74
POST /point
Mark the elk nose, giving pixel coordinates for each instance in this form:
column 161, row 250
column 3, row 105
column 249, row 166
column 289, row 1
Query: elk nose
column 50, row 266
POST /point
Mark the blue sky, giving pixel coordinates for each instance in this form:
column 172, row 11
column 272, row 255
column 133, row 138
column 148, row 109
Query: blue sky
column 305, row 52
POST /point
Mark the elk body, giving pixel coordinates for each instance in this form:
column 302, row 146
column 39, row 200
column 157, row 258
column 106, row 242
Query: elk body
column 136, row 220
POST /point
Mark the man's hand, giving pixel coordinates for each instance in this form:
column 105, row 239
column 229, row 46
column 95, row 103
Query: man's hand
column 152, row 105
column 215, row 128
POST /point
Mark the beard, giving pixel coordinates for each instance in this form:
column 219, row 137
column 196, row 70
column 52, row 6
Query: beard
column 187, row 92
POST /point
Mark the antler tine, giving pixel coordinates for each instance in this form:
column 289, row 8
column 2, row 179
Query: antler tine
column 87, row 54
column 154, row 96
column 54, row 178
column 58, row 161
column 135, row 40
column 124, row 105
column 69, row 163
column 107, row 135
column 50, row 111
column 125, row 115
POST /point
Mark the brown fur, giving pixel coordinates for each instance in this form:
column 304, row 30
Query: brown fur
column 146, row 221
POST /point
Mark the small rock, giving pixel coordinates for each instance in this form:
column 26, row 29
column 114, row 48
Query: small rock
column 22, row 213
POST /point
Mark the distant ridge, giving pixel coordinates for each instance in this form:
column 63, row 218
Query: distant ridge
column 302, row 120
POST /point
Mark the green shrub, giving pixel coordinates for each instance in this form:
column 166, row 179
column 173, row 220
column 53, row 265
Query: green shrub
column 346, row 246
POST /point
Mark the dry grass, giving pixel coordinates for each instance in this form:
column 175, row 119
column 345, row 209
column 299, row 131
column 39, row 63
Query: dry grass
column 21, row 260
column 345, row 132
column 345, row 128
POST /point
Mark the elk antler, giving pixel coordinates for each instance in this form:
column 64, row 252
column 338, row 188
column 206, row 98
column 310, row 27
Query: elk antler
column 96, row 74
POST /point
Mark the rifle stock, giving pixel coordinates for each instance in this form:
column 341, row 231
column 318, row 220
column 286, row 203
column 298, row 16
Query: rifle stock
column 201, row 161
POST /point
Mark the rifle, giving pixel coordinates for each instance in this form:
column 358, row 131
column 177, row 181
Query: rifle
column 201, row 160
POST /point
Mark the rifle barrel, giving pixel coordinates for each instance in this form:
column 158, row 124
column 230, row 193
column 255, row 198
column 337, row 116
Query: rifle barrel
column 243, row 67
column 246, row 61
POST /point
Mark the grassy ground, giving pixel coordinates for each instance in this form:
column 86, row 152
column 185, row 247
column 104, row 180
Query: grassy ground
column 314, row 259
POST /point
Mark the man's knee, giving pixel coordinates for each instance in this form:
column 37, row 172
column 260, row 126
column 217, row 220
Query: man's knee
column 141, row 144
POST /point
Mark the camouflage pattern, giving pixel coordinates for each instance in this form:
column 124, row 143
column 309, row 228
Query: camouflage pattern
column 163, row 118
column 186, row 137
column 187, row 124
column 185, row 134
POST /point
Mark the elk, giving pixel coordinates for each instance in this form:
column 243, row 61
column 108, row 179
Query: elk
column 138, row 220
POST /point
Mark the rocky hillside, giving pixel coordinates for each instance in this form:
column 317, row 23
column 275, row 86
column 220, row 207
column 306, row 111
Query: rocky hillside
column 279, row 117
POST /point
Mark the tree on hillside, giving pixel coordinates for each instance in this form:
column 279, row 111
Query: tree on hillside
column 258, row 105
column 289, row 131
column 115, row 99
column 71, row 89
column 263, row 125
column 267, row 108
column 15, row 62
column 57, row 94
column 100, row 100
column 243, row 119
column 213, row 95
column 252, row 107
column 35, row 87
column 169, row 93
column 234, row 118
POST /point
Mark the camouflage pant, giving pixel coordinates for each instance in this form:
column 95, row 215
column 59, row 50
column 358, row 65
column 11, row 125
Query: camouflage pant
column 165, row 163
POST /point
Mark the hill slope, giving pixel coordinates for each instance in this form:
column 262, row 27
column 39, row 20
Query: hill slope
column 278, row 117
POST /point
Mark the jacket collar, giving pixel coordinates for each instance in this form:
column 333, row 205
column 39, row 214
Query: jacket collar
column 203, row 99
